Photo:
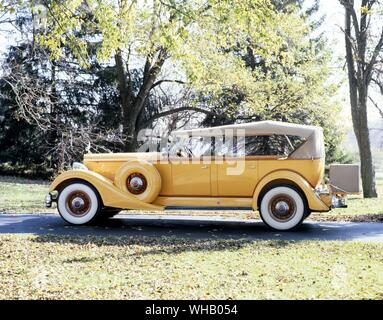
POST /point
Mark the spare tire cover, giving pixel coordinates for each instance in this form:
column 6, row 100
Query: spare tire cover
column 139, row 178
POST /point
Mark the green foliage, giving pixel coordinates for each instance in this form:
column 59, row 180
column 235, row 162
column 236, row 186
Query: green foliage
column 244, row 60
column 192, row 33
column 290, row 83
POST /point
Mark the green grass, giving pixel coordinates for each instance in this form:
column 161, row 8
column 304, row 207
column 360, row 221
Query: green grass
column 49, row 267
column 357, row 205
column 19, row 195
column 358, row 208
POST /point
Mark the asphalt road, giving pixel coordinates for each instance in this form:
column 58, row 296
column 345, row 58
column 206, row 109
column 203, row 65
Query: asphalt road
column 190, row 227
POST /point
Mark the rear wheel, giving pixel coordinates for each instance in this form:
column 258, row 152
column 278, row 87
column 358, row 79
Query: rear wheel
column 283, row 208
column 79, row 203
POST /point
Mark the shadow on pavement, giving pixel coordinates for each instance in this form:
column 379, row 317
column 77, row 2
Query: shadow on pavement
column 189, row 227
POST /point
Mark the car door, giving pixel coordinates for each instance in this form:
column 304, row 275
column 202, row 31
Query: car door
column 191, row 173
column 190, row 178
column 237, row 172
column 237, row 177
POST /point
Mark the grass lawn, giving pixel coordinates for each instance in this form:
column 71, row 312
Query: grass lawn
column 126, row 268
column 19, row 195
column 357, row 205
column 52, row 267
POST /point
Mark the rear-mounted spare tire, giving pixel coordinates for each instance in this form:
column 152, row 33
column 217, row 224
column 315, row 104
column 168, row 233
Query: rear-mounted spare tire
column 140, row 179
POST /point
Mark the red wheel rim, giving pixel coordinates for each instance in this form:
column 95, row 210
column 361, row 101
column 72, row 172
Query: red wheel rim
column 78, row 203
column 282, row 207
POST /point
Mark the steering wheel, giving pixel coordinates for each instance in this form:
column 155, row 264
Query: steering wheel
column 184, row 152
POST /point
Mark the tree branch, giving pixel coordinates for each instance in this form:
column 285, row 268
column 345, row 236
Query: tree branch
column 379, row 84
column 374, row 56
column 176, row 110
column 376, row 106
column 165, row 80
column 350, row 8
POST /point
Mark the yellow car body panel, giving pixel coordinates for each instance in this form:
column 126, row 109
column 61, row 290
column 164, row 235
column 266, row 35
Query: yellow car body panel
column 286, row 177
column 111, row 196
column 236, row 177
column 190, row 179
column 311, row 170
column 200, row 184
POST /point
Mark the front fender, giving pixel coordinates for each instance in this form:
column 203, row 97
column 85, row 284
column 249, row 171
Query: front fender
column 314, row 202
column 111, row 196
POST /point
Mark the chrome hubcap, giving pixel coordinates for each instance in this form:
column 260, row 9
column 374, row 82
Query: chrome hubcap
column 282, row 207
column 136, row 183
column 78, row 203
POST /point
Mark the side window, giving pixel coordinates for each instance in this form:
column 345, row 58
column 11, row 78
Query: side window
column 266, row 145
column 191, row 147
column 201, row 146
column 224, row 146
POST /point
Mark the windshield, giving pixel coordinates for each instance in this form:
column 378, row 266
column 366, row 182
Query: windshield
column 191, row 147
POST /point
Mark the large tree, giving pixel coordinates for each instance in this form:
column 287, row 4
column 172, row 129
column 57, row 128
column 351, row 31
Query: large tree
column 364, row 43
column 241, row 76
column 162, row 36
column 290, row 84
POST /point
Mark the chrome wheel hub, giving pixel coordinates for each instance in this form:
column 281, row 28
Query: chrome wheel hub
column 136, row 183
column 282, row 207
column 78, row 203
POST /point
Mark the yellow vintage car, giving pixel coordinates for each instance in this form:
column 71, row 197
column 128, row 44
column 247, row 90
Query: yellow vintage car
column 275, row 168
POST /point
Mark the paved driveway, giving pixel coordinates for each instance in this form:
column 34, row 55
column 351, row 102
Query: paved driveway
column 190, row 227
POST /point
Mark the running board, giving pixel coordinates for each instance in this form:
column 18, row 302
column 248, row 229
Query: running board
column 170, row 208
column 209, row 203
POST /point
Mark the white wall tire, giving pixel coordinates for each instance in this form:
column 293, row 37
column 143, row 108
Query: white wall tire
column 282, row 208
column 78, row 203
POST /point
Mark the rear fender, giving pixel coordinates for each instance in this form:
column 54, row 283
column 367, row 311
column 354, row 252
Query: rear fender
column 286, row 176
column 111, row 196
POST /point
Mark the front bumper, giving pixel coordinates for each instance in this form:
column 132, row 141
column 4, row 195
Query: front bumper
column 49, row 199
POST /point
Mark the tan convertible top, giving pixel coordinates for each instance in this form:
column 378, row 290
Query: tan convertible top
column 312, row 148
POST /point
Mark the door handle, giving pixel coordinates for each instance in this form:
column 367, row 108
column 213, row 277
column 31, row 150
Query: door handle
column 252, row 166
column 205, row 166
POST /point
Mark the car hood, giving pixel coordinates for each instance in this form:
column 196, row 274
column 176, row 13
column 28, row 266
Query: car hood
column 88, row 157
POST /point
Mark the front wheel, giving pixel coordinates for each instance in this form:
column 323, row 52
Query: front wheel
column 283, row 208
column 78, row 203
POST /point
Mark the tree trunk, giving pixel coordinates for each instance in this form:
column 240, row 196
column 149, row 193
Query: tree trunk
column 363, row 139
column 125, row 90
column 132, row 106
column 358, row 90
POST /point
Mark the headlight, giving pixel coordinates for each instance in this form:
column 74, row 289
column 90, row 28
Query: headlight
column 79, row 166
